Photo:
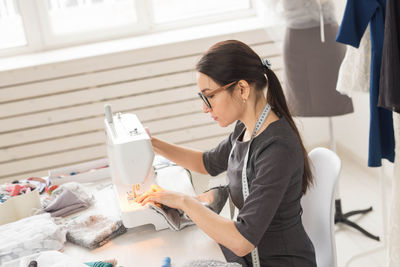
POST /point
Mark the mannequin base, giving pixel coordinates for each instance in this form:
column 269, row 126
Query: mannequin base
column 342, row 218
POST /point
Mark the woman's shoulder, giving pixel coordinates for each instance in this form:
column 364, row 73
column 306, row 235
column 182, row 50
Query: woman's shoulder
column 279, row 134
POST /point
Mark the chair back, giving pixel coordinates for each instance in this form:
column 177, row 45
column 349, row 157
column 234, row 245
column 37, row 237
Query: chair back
column 318, row 205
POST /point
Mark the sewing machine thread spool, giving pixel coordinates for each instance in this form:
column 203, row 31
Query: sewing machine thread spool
column 166, row 262
column 108, row 112
column 109, row 117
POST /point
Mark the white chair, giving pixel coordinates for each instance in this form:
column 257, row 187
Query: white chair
column 318, row 205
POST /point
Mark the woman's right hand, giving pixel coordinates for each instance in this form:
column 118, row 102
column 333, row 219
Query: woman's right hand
column 156, row 195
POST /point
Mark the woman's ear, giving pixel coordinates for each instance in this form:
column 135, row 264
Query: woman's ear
column 244, row 88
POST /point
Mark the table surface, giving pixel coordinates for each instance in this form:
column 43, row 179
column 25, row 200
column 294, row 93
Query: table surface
column 144, row 246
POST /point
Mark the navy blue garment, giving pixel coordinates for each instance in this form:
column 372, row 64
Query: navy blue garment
column 358, row 14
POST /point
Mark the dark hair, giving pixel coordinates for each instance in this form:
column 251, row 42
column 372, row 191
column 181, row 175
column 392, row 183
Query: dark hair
column 232, row 60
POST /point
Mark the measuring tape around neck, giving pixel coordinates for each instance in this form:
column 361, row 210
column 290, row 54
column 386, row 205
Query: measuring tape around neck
column 245, row 186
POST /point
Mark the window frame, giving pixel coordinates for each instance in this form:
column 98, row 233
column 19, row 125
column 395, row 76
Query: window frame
column 40, row 38
column 53, row 41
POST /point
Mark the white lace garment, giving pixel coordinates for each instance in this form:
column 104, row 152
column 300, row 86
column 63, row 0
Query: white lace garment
column 354, row 73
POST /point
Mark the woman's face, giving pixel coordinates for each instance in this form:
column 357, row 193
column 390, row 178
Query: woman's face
column 225, row 108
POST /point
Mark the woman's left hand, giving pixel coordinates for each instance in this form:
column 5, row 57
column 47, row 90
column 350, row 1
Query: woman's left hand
column 162, row 196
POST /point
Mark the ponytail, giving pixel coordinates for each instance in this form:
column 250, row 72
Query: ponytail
column 276, row 99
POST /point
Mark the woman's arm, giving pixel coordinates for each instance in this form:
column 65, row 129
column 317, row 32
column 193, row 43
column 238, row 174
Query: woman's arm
column 221, row 229
column 185, row 157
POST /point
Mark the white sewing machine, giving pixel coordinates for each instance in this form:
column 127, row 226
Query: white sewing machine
column 131, row 157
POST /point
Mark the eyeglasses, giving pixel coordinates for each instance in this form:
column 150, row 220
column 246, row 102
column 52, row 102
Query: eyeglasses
column 204, row 96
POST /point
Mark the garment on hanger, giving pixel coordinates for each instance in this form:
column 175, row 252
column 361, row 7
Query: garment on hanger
column 394, row 219
column 357, row 15
column 302, row 14
column 389, row 84
column 389, row 97
column 311, row 70
column 354, row 73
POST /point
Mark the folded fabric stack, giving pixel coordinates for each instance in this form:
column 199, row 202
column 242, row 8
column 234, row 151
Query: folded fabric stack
column 30, row 235
column 67, row 199
column 92, row 231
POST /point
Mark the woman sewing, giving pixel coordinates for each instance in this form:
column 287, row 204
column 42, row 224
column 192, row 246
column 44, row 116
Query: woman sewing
column 266, row 163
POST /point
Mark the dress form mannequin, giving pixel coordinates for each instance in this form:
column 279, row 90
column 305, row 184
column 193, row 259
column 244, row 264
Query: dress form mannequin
column 311, row 71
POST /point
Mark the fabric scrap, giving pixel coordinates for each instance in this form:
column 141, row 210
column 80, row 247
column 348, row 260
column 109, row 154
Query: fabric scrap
column 176, row 219
column 93, row 231
column 50, row 258
column 67, row 199
column 99, row 264
column 30, row 235
column 215, row 198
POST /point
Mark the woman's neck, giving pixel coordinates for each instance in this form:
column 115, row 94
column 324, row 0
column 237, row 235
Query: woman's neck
column 251, row 115
column 250, row 119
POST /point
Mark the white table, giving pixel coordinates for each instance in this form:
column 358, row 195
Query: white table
column 143, row 246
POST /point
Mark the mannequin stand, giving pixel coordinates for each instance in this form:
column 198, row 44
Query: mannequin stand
column 384, row 244
column 341, row 217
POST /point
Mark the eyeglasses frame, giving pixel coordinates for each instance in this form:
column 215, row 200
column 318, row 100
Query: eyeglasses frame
column 204, row 96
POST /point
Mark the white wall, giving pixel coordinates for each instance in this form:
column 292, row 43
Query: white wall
column 349, row 131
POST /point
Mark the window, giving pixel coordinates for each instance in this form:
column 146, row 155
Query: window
column 89, row 15
column 11, row 27
column 174, row 10
column 37, row 25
